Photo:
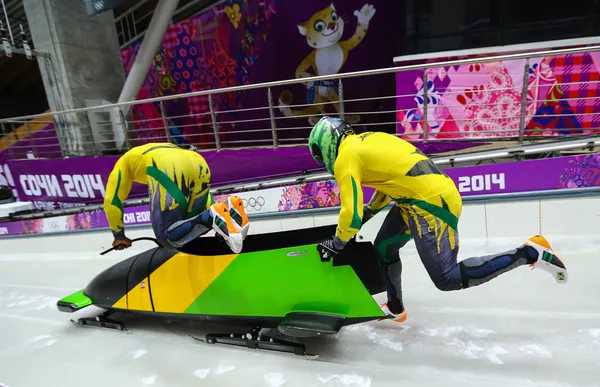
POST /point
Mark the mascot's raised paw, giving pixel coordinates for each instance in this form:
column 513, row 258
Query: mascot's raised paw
column 365, row 14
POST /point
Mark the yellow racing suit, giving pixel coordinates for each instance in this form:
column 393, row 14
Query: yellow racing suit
column 398, row 171
column 178, row 183
column 427, row 208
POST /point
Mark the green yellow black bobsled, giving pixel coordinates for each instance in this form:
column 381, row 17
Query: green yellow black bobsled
column 278, row 281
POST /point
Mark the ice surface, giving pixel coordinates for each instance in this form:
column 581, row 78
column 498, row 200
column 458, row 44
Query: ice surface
column 521, row 329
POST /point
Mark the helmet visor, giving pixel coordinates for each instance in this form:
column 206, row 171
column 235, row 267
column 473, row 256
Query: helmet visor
column 317, row 154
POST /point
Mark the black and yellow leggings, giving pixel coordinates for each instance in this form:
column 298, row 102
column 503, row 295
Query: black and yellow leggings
column 177, row 217
column 437, row 246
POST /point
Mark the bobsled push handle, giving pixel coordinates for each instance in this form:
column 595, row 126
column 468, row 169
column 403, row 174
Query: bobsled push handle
column 136, row 240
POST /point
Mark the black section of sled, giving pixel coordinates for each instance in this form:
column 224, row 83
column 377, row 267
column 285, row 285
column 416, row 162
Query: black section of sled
column 363, row 259
column 309, row 324
column 254, row 340
column 109, row 286
column 260, row 242
column 67, row 307
column 112, row 284
column 101, row 321
column 135, row 240
column 235, row 321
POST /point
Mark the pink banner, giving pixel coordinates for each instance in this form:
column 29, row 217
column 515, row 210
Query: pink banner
column 484, row 100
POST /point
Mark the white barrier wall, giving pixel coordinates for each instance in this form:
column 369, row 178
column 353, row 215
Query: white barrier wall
column 569, row 224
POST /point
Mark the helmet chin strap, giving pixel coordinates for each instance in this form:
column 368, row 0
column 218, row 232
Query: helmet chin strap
column 347, row 131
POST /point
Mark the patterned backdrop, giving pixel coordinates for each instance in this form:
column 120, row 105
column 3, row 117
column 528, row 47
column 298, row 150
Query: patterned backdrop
column 472, row 101
column 582, row 172
column 214, row 49
column 239, row 42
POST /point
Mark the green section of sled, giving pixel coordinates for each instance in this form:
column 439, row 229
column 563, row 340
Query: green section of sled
column 300, row 284
column 74, row 302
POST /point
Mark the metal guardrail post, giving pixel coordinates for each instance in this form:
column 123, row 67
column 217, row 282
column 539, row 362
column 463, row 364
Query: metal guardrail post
column 425, row 100
column 96, row 145
column 341, row 98
column 31, row 139
column 213, row 117
column 272, row 116
column 165, row 121
column 123, row 123
column 524, row 102
column 62, row 143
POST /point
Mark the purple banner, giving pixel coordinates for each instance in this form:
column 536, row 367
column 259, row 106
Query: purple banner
column 139, row 215
column 63, row 183
column 539, row 175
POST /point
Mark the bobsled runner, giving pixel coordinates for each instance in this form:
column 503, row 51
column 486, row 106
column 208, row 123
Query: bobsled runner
column 277, row 281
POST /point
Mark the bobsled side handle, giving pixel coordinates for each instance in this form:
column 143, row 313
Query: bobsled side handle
column 135, row 240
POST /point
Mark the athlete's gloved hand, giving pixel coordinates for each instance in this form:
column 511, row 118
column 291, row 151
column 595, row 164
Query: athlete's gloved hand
column 121, row 243
column 330, row 248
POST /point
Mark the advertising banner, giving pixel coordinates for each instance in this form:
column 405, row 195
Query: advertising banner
column 484, row 100
column 537, row 175
column 68, row 182
column 540, row 175
column 63, row 183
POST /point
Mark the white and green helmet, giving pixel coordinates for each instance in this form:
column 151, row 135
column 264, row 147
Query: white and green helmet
column 325, row 138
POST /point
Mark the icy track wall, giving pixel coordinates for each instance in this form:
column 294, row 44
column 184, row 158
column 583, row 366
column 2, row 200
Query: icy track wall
column 571, row 224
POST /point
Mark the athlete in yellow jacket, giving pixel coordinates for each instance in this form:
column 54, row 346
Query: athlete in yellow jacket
column 427, row 207
column 181, row 205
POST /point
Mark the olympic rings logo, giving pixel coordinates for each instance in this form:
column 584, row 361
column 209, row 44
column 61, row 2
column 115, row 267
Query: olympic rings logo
column 255, row 204
column 54, row 225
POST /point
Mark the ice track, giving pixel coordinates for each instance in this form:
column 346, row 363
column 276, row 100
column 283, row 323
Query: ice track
column 521, row 329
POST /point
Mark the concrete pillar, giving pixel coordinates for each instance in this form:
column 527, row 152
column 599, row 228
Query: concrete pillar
column 83, row 65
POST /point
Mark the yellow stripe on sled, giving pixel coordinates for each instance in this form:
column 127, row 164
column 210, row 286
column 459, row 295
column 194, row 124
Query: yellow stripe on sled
column 138, row 298
column 180, row 280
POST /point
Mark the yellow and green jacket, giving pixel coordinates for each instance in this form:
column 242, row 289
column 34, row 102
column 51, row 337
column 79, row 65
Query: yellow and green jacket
column 178, row 181
column 397, row 171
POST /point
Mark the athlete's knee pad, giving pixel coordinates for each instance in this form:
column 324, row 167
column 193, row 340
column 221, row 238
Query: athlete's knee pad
column 184, row 231
column 450, row 283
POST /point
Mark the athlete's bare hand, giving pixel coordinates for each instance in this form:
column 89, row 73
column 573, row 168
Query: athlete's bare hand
column 122, row 243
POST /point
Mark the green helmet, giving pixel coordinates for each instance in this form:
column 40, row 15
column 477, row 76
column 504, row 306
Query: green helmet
column 325, row 139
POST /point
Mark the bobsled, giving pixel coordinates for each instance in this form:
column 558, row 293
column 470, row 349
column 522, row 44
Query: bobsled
column 277, row 281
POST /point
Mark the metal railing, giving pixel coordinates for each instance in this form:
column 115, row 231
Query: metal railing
column 209, row 122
